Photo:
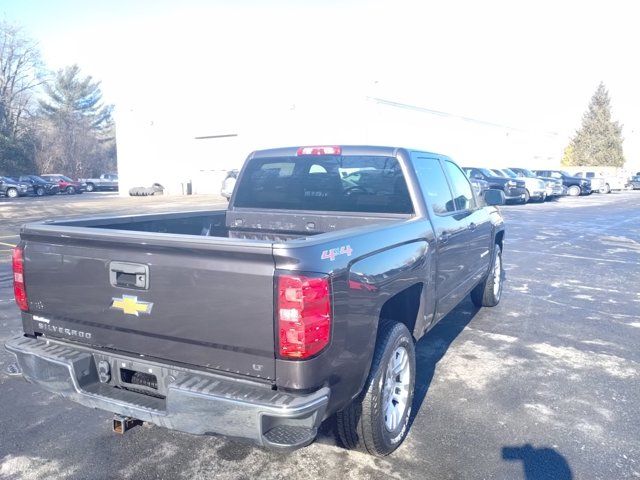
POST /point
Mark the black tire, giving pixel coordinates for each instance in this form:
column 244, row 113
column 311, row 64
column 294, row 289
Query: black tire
column 362, row 424
column 39, row 191
column 485, row 294
column 527, row 196
column 70, row 190
column 607, row 188
column 90, row 187
column 12, row 193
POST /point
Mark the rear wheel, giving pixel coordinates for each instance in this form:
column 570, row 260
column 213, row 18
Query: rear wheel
column 488, row 292
column 90, row 187
column 70, row 190
column 39, row 191
column 607, row 188
column 376, row 421
column 574, row 190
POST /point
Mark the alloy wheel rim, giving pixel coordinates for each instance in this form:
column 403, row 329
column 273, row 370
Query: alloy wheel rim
column 395, row 394
column 497, row 276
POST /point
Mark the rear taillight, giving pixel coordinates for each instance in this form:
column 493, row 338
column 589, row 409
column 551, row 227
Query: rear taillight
column 319, row 151
column 19, row 289
column 304, row 315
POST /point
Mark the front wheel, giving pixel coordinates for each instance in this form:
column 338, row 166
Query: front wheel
column 574, row 191
column 607, row 188
column 377, row 421
column 527, row 196
column 12, row 193
column 488, row 292
column 40, row 191
column 70, row 190
column 90, row 187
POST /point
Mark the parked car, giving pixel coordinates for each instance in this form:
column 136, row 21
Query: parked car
column 514, row 189
column 229, row 183
column 535, row 189
column 12, row 188
column 106, row 181
column 40, row 186
column 635, row 182
column 555, row 187
column 347, row 274
column 575, row 185
column 602, row 183
column 66, row 185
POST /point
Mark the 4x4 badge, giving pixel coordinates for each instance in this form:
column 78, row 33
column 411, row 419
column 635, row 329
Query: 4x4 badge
column 130, row 305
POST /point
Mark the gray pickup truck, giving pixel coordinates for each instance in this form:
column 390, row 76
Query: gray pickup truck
column 301, row 300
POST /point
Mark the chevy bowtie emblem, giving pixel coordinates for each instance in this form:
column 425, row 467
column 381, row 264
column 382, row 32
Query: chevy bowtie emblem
column 130, row 305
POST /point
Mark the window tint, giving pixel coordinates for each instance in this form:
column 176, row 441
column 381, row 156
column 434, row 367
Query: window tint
column 433, row 183
column 339, row 184
column 462, row 191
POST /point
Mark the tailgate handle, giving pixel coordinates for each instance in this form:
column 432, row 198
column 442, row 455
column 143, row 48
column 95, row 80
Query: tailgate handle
column 129, row 275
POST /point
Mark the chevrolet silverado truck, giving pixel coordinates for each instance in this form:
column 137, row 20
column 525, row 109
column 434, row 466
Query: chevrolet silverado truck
column 299, row 301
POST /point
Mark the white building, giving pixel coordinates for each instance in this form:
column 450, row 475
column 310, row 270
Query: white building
column 192, row 144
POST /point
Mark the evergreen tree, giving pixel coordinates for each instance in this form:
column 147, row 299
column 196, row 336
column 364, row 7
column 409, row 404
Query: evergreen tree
column 74, row 99
column 598, row 142
column 80, row 128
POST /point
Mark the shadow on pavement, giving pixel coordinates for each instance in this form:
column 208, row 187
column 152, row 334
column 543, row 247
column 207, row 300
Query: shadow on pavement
column 432, row 347
column 539, row 463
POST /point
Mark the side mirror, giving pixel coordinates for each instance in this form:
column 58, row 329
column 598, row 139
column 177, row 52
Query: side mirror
column 493, row 197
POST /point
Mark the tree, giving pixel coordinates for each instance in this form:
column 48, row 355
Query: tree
column 568, row 156
column 20, row 76
column 77, row 128
column 599, row 140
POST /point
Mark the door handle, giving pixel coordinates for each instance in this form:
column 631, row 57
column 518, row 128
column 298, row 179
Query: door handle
column 129, row 275
column 444, row 237
column 472, row 226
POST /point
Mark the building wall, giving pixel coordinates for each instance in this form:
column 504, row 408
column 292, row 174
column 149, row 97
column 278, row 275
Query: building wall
column 174, row 147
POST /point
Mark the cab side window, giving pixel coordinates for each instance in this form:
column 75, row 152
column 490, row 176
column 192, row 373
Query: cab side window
column 462, row 191
column 434, row 185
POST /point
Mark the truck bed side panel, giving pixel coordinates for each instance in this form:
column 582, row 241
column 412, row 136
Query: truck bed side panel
column 361, row 282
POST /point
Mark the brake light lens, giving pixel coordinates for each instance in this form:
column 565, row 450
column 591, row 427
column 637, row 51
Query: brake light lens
column 19, row 289
column 304, row 315
column 319, row 151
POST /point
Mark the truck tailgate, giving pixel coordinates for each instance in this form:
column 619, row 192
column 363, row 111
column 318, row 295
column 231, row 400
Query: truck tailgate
column 206, row 307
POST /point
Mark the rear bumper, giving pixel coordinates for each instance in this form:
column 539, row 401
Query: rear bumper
column 195, row 402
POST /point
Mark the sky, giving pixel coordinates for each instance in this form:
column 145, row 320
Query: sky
column 530, row 66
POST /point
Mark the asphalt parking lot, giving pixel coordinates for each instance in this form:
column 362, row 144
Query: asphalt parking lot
column 544, row 386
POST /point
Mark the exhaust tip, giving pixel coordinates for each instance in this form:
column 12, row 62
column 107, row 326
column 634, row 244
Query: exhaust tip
column 121, row 424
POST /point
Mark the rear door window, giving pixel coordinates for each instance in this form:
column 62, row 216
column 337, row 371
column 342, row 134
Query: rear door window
column 353, row 183
column 462, row 191
column 434, row 185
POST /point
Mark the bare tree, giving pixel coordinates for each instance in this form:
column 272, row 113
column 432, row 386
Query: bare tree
column 20, row 75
